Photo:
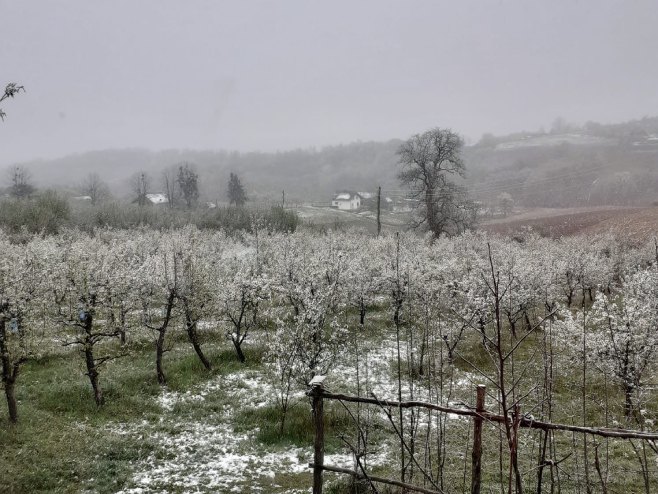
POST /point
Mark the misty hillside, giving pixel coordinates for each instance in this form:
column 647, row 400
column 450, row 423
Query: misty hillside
column 569, row 166
column 305, row 175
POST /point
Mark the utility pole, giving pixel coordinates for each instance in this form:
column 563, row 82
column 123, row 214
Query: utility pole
column 283, row 198
column 379, row 210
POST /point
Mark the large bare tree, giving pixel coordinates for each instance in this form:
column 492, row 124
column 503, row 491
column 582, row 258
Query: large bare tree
column 427, row 161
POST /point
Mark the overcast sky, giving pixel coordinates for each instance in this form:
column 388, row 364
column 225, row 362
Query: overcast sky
column 276, row 75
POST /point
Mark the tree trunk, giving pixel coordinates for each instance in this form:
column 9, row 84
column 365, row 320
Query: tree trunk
column 122, row 329
column 9, row 373
column 92, row 372
column 628, row 401
column 430, row 206
column 423, row 351
column 238, row 350
column 11, row 402
column 159, row 352
column 194, row 339
column 160, row 342
column 526, row 317
column 512, row 325
column 282, row 424
column 570, row 298
column 199, row 352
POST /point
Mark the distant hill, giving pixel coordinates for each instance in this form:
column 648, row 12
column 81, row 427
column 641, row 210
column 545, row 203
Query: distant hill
column 305, row 174
column 593, row 164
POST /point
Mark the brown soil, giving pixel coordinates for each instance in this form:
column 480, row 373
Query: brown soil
column 635, row 224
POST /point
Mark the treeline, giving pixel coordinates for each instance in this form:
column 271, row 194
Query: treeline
column 304, row 174
column 49, row 212
column 593, row 164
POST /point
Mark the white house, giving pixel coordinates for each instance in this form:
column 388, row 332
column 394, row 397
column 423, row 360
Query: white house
column 157, row 198
column 347, row 200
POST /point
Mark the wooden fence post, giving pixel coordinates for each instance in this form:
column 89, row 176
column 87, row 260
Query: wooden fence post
column 476, row 455
column 318, row 422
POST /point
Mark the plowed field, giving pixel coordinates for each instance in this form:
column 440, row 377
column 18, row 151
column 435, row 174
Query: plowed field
column 635, row 224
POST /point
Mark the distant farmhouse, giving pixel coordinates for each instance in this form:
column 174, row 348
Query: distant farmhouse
column 157, row 198
column 351, row 201
column 348, row 201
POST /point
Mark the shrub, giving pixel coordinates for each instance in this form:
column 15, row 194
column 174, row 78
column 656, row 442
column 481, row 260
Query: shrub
column 46, row 213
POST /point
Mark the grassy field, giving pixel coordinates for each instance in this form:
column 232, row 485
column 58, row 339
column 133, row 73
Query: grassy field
column 218, row 431
column 214, row 431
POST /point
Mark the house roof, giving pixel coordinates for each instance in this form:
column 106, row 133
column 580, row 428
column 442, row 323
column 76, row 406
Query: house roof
column 346, row 196
column 157, row 198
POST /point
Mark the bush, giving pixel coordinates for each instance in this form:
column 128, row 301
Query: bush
column 230, row 219
column 46, row 213
column 281, row 220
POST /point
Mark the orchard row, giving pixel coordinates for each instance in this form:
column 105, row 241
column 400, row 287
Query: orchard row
column 99, row 292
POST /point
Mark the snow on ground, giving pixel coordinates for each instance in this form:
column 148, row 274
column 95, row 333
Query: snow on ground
column 209, row 455
column 213, row 458
column 206, row 454
column 376, row 364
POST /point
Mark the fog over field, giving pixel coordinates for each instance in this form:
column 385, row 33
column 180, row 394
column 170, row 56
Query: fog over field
column 277, row 76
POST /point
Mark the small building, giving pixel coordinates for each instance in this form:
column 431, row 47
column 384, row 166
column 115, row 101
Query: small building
column 157, row 198
column 348, row 201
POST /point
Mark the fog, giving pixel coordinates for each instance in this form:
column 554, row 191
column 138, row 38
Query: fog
column 265, row 75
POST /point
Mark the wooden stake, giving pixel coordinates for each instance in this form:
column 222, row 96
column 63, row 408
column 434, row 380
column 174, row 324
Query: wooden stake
column 379, row 210
column 318, row 422
column 476, row 455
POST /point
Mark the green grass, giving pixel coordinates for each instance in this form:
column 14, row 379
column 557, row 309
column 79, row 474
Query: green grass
column 62, row 444
column 298, row 429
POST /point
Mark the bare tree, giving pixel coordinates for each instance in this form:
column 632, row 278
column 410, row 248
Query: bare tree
column 95, row 188
column 140, row 187
column 427, row 160
column 21, row 185
column 171, row 186
column 11, row 90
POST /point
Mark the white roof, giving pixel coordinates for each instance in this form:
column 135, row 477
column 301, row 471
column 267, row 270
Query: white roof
column 343, row 197
column 157, row 198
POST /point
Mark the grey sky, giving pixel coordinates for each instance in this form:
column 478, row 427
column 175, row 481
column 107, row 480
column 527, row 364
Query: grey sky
column 268, row 75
